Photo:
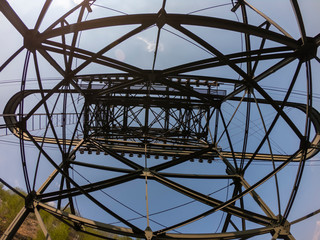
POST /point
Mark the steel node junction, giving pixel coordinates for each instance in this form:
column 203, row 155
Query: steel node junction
column 184, row 127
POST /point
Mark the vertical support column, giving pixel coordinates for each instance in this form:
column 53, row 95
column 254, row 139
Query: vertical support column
column 125, row 116
column 86, row 117
column 146, row 118
column 216, row 126
column 147, row 106
column 167, row 113
column 208, row 116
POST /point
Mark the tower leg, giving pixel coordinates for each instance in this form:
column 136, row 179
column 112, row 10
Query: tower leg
column 15, row 224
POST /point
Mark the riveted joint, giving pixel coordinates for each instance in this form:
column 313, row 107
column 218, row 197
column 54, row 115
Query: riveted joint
column 307, row 50
column 148, row 233
column 305, row 144
column 161, row 21
column 30, row 199
column 31, row 40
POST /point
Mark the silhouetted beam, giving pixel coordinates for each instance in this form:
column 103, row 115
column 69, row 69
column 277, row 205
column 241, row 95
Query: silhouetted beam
column 13, row 18
column 175, row 19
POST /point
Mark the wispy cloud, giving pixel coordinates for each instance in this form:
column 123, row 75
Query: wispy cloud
column 151, row 46
column 316, row 235
column 119, row 54
column 52, row 204
column 17, row 183
column 66, row 4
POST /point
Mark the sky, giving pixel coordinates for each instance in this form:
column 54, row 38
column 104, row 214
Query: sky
column 172, row 50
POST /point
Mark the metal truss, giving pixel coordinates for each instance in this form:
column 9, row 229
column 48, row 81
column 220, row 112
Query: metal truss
column 154, row 122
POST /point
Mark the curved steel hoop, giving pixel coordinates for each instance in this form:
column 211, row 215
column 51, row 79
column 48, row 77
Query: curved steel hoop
column 181, row 139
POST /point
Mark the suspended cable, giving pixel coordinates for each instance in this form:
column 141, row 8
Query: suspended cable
column 117, row 201
column 189, row 41
column 146, row 182
column 207, row 8
column 108, row 8
column 271, row 153
column 223, row 213
column 178, row 206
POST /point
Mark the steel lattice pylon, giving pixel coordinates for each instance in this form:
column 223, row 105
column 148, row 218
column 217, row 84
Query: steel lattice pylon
column 194, row 126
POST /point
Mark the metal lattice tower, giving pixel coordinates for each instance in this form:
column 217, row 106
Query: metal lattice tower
column 176, row 138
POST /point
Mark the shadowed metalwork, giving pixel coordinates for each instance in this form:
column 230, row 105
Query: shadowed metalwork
column 154, row 121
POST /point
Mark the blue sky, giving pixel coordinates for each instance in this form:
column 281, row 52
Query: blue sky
column 143, row 46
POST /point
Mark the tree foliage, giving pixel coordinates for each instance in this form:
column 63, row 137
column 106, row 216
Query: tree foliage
column 11, row 204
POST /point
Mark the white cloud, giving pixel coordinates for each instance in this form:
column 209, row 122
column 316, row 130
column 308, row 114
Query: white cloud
column 119, row 54
column 151, row 46
column 62, row 3
column 66, row 4
column 77, row 1
column 52, row 204
column 17, row 183
column 316, row 235
column 313, row 163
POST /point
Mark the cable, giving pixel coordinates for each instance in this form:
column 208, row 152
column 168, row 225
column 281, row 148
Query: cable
column 75, row 198
column 259, row 129
column 207, row 8
column 153, row 214
column 146, row 182
column 294, row 92
column 116, row 200
column 111, row 9
column 202, row 48
column 178, row 206
column 227, row 196
column 7, row 142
